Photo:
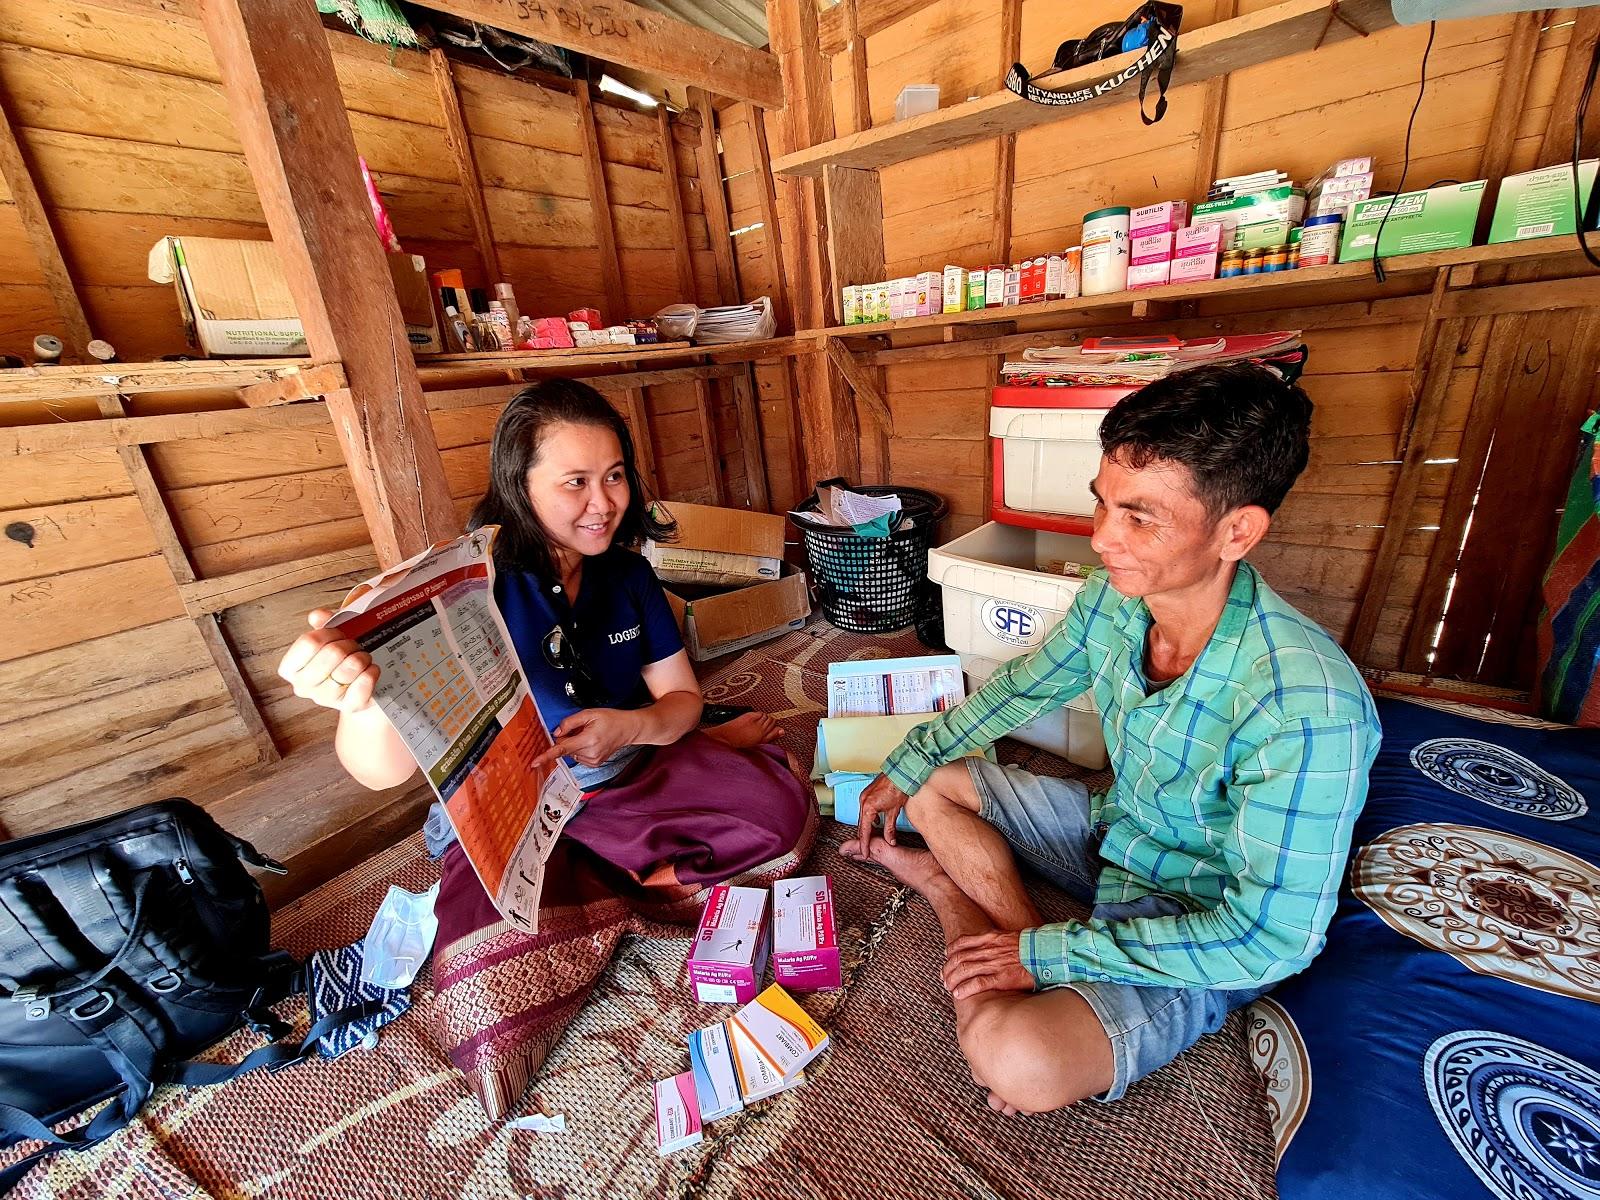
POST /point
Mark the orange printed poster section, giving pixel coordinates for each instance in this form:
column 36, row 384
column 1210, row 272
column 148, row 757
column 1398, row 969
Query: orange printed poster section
column 491, row 808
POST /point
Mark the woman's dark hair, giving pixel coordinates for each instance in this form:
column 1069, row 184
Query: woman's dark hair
column 523, row 542
column 1241, row 430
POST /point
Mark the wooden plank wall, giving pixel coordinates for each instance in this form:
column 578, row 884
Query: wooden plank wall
column 1299, row 114
column 107, row 695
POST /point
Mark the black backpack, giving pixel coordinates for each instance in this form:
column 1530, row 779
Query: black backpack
column 127, row 946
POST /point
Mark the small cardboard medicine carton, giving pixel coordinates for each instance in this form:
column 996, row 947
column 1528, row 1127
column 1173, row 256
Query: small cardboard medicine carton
column 781, row 1031
column 235, row 299
column 730, row 947
column 1437, row 218
column 716, row 1076
column 677, row 1114
column 728, row 548
column 805, row 947
column 1538, row 203
column 1166, row 217
column 758, row 1078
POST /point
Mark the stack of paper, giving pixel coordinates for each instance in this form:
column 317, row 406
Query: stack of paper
column 735, row 323
column 841, row 507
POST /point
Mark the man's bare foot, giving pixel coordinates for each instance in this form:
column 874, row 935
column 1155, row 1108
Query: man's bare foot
column 1008, row 1110
column 912, row 867
column 745, row 731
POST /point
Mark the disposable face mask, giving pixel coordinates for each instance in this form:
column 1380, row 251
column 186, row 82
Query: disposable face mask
column 401, row 935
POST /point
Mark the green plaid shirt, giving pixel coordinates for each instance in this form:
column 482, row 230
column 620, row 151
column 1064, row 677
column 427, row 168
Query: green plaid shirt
column 1237, row 786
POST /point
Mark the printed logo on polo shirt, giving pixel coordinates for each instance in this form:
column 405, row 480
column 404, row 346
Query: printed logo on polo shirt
column 626, row 635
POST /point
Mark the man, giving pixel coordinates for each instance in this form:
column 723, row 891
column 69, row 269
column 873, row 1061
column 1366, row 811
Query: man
column 1241, row 737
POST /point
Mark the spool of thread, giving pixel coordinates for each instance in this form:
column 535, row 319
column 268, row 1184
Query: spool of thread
column 46, row 350
column 1105, row 251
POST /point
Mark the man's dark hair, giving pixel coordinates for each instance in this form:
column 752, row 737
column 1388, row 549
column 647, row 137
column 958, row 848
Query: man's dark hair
column 518, row 435
column 1241, row 430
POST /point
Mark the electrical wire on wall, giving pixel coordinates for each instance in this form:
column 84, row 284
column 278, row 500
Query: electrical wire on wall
column 1405, row 167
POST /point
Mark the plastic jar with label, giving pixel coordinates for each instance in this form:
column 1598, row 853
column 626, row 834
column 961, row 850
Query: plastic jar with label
column 1319, row 240
column 1254, row 262
column 1232, row 264
column 1105, row 251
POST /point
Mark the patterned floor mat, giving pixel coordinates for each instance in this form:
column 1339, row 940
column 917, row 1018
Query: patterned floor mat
column 888, row 1112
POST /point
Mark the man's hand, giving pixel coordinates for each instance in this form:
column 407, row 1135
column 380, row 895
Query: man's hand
column 881, row 797
column 592, row 736
column 986, row 962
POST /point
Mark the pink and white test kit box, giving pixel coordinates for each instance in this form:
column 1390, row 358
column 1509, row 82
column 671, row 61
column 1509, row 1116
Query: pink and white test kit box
column 730, row 947
column 1150, row 248
column 805, row 947
column 1158, row 218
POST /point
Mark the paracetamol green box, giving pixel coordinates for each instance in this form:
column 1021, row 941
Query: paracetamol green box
column 1539, row 203
column 1440, row 218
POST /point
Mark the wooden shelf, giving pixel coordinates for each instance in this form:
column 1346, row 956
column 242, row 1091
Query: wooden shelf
column 1273, row 289
column 1286, row 28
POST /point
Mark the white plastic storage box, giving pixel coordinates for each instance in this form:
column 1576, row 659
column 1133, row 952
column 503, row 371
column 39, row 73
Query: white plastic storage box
column 1048, row 443
column 1004, row 588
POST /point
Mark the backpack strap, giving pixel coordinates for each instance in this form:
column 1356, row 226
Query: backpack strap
column 15, row 1124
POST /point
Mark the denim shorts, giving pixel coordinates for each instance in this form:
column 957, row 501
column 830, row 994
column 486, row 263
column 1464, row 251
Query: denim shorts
column 1046, row 821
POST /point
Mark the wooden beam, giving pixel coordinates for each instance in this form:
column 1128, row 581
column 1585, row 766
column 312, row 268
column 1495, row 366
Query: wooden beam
column 782, row 308
column 757, row 488
column 856, row 43
column 204, row 596
column 278, row 76
column 855, row 227
column 1213, row 108
column 460, row 143
column 30, row 384
column 867, row 384
column 678, row 230
column 1281, row 29
column 705, row 410
column 1556, row 145
column 870, row 17
column 1541, row 296
column 637, row 414
column 41, row 236
column 610, row 385
column 714, row 197
column 605, row 230
column 307, row 383
column 1005, row 147
column 138, row 431
column 616, row 31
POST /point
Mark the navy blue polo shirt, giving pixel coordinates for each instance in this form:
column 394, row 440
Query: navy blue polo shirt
column 621, row 624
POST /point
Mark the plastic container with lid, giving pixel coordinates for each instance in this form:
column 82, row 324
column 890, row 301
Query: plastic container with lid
column 915, row 99
column 1232, row 264
column 1105, row 250
column 1319, row 240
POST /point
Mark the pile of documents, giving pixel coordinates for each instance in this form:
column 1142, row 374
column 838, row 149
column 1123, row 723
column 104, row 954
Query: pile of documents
column 735, row 323
column 840, row 507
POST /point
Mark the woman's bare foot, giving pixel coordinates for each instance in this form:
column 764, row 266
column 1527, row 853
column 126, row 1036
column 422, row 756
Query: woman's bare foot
column 914, row 868
column 745, row 731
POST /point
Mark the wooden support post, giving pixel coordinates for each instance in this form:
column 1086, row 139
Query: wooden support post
column 682, row 255
column 460, row 143
column 1215, row 105
column 856, row 43
column 277, row 72
column 605, row 231
column 867, row 384
column 1005, row 147
column 855, row 226
column 637, row 413
column 41, row 236
column 714, row 196
column 783, row 309
column 757, row 487
column 705, row 410
column 831, row 431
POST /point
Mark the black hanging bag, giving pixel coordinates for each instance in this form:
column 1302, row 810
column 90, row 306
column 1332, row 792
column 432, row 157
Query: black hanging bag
column 1152, row 29
column 128, row 945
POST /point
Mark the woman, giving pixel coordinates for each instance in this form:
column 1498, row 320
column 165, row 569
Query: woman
column 668, row 810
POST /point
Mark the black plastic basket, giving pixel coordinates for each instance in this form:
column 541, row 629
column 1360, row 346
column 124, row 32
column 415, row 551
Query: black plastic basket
column 874, row 585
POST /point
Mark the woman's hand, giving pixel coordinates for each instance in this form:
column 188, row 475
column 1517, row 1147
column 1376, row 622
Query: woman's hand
column 593, row 735
column 328, row 668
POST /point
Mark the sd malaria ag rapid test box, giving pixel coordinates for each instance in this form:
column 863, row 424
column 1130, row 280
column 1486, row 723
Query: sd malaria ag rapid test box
column 730, row 947
column 805, row 948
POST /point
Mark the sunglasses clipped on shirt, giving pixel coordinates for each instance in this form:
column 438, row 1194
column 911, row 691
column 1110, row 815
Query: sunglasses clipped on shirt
column 561, row 652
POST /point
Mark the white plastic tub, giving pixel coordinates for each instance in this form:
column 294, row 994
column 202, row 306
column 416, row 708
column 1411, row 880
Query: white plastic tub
column 1003, row 592
column 1049, row 456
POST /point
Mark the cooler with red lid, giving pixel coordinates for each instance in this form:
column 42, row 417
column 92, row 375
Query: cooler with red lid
column 1046, row 446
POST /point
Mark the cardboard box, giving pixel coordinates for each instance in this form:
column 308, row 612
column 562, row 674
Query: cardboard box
column 783, row 1033
column 716, row 1075
column 1150, row 274
column 805, row 946
column 1194, row 268
column 758, row 1078
column 1539, row 203
column 721, row 547
column 1441, row 218
column 1150, row 248
column 729, row 547
column 1286, row 204
column 235, row 300
column 1197, row 239
column 1166, row 217
column 730, row 946
column 677, row 1114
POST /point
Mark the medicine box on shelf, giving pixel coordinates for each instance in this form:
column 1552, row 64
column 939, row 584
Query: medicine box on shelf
column 1048, row 446
column 1004, row 589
